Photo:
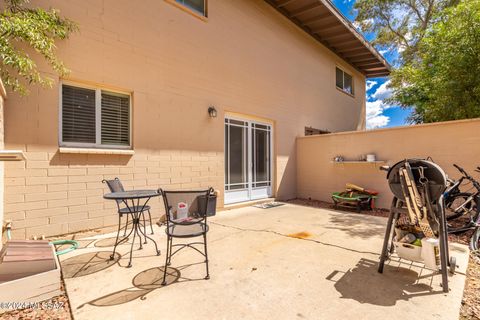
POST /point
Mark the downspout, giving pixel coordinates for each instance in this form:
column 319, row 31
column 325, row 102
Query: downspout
column 8, row 229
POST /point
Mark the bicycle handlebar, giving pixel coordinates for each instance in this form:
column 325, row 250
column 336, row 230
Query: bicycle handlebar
column 475, row 183
column 465, row 174
column 460, row 169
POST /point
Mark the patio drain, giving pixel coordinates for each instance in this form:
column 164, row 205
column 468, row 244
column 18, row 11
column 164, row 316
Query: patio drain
column 300, row 235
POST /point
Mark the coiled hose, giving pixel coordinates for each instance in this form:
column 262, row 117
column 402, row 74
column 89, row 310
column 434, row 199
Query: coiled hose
column 73, row 243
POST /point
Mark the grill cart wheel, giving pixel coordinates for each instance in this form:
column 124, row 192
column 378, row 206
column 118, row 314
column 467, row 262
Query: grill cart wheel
column 452, row 264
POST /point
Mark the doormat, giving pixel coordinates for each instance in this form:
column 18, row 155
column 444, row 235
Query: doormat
column 268, row 205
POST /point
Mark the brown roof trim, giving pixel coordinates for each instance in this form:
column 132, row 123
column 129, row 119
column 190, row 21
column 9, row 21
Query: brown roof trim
column 324, row 22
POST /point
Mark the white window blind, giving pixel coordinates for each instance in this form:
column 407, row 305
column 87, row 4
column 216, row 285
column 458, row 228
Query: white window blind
column 78, row 115
column 115, row 119
column 91, row 117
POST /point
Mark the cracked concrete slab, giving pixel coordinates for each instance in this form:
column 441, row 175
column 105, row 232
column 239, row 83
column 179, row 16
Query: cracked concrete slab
column 286, row 262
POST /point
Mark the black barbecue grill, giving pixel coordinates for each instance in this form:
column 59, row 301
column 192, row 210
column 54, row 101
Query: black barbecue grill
column 430, row 181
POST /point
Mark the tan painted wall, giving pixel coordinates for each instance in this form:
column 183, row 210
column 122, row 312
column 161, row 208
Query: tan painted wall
column 246, row 58
column 447, row 143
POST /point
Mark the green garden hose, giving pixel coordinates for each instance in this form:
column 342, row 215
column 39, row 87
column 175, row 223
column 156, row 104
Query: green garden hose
column 73, row 243
column 70, row 249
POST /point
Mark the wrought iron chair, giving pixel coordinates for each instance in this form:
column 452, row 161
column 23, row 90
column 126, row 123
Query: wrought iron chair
column 115, row 185
column 186, row 216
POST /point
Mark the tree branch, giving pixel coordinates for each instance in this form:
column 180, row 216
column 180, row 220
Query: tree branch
column 395, row 31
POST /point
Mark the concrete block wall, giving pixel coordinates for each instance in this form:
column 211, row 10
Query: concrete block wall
column 245, row 59
column 445, row 142
column 53, row 193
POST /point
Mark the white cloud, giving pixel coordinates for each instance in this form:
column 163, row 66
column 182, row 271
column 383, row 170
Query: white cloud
column 375, row 117
column 383, row 52
column 371, row 84
column 383, row 92
column 377, row 122
column 376, row 107
column 369, row 21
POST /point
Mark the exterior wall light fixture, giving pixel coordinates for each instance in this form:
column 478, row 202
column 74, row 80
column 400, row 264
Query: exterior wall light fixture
column 212, row 112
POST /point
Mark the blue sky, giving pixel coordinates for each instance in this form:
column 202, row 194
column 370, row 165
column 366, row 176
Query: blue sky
column 379, row 113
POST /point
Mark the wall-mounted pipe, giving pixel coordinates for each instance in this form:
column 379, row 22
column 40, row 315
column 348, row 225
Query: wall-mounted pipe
column 8, row 229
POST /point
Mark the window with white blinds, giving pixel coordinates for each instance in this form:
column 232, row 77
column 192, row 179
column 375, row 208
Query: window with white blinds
column 92, row 117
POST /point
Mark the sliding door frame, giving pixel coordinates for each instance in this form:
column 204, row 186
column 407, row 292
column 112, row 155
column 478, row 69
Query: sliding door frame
column 249, row 144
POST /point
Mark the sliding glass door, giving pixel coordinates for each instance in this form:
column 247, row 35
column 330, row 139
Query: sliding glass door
column 248, row 165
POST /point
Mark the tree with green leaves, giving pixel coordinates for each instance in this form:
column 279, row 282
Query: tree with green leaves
column 399, row 24
column 444, row 82
column 27, row 31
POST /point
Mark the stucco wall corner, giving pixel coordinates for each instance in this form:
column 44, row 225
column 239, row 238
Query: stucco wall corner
column 3, row 96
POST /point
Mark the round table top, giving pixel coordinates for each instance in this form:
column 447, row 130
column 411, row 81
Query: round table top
column 131, row 194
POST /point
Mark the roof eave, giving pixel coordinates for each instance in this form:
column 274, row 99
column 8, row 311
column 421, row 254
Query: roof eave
column 339, row 36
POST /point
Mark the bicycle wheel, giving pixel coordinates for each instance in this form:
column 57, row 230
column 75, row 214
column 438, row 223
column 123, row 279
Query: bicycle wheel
column 475, row 240
column 455, row 206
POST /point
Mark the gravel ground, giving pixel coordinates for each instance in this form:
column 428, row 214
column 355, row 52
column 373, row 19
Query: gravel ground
column 57, row 308
column 471, row 296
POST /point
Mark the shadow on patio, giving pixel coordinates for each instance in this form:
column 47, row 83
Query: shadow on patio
column 144, row 283
column 403, row 282
column 265, row 264
column 354, row 225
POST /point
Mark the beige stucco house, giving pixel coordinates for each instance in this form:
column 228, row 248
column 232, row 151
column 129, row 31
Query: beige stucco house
column 135, row 105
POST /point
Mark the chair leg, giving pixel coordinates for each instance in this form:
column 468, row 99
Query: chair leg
column 150, row 218
column 167, row 259
column 126, row 225
column 206, row 254
column 144, row 229
column 170, row 256
column 134, row 229
column 112, row 256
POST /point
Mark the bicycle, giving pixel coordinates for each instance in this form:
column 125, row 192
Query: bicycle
column 460, row 204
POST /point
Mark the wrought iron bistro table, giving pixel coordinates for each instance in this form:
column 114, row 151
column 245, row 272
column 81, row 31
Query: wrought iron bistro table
column 136, row 202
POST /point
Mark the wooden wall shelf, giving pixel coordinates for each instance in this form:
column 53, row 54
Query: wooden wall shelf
column 359, row 162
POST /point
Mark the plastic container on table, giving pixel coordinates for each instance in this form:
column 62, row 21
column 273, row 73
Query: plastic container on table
column 182, row 211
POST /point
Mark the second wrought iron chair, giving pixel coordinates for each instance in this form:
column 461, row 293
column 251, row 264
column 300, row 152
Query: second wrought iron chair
column 116, row 185
column 186, row 216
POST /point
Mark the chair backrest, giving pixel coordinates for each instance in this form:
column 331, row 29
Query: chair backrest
column 115, row 185
column 186, row 204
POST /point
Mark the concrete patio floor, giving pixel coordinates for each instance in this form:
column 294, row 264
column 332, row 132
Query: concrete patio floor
column 259, row 270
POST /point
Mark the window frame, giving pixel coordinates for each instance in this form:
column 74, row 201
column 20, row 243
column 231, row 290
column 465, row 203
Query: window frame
column 193, row 12
column 352, row 94
column 98, row 118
